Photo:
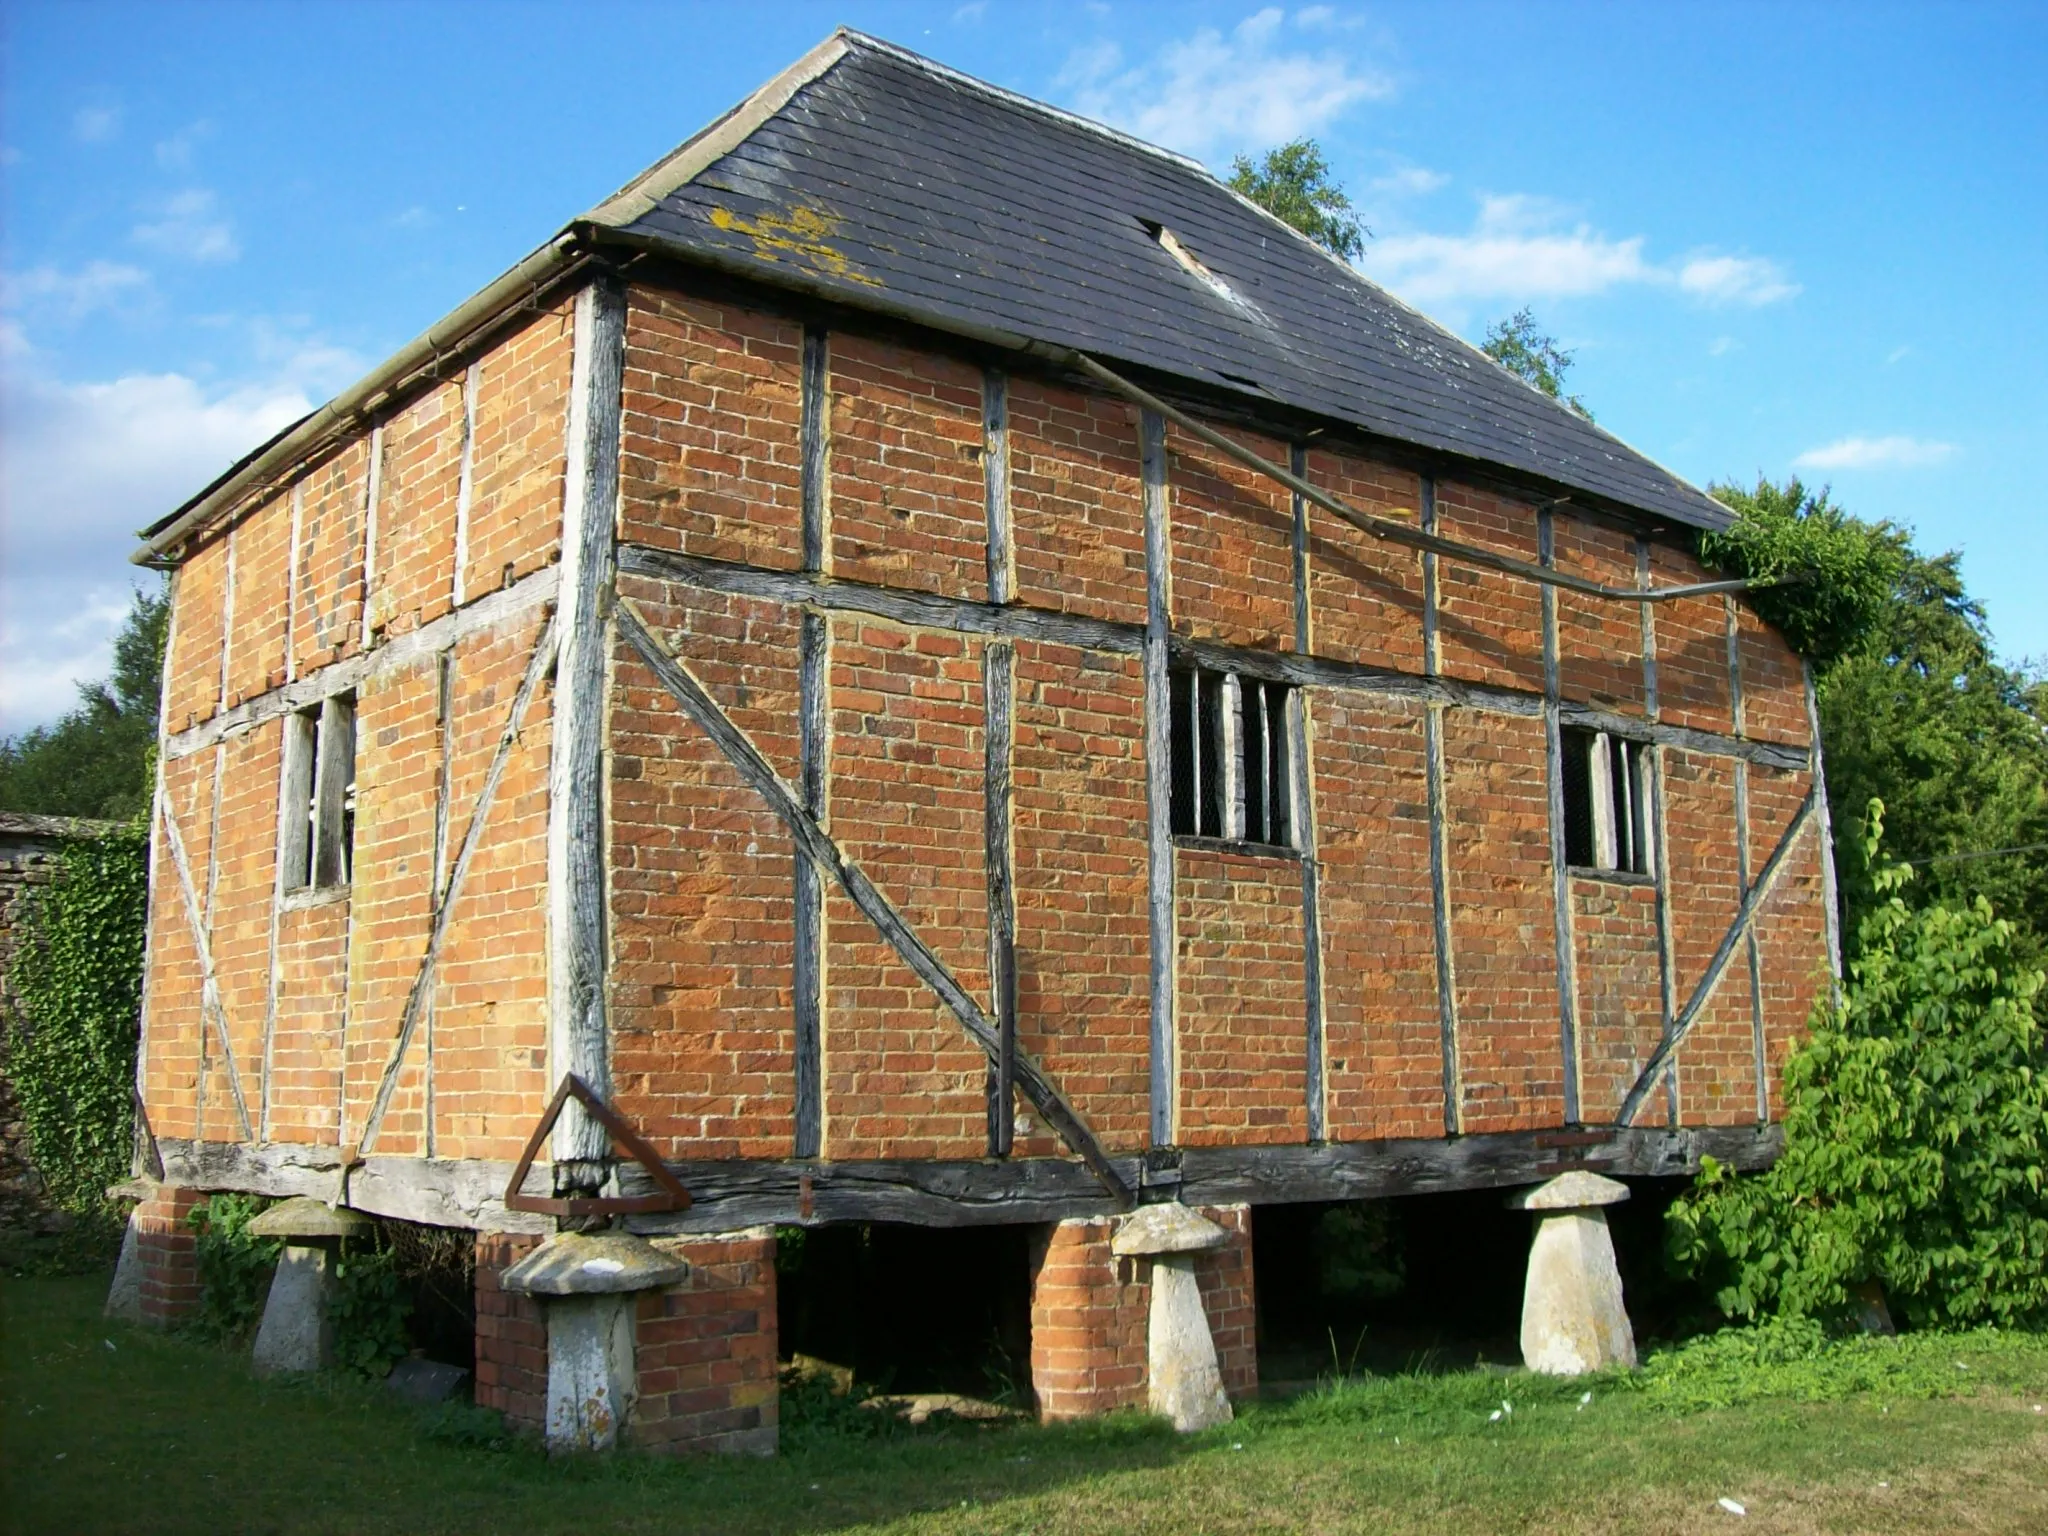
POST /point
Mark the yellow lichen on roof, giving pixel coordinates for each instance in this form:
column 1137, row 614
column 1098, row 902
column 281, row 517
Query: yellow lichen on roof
column 802, row 233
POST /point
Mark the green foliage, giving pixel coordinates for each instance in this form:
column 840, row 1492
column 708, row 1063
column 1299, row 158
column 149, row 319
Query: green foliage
column 1916, row 1127
column 1358, row 1252
column 1293, row 184
column 78, row 978
column 234, row 1267
column 368, row 1308
column 95, row 761
column 1836, row 573
column 1532, row 356
column 817, row 1411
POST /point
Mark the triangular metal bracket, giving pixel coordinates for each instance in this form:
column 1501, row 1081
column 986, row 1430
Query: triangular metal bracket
column 670, row 1194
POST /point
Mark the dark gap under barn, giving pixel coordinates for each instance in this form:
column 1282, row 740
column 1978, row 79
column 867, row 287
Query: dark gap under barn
column 1434, row 1282
column 910, row 1309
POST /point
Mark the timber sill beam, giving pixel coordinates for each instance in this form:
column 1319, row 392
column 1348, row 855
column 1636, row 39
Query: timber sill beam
column 1386, row 528
column 817, row 845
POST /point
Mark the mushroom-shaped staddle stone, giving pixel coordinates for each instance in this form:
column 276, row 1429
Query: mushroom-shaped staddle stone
column 124, row 1296
column 588, row 1281
column 1573, row 1319
column 294, row 1334
column 1183, row 1383
column 594, row 1264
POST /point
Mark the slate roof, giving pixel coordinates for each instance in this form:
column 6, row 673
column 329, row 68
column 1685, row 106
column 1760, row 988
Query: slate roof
column 889, row 181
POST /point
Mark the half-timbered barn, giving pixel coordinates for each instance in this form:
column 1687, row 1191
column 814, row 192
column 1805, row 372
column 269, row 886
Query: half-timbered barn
column 927, row 662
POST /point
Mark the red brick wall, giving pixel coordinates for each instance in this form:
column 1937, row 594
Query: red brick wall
column 1083, row 966
column 1232, row 545
column 1242, row 1007
column 1489, row 625
column 710, row 463
column 1620, row 999
column 192, row 664
column 909, row 497
column 1365, row 595
column 1773, row 683
column 511, row 1335
column 1599, row 643
column 414, row 579
column 1383, row 1032
column 1717, row 1063
column 901, row 1077
column 1090, row 1310
column 1692, row 647
column 516, row 457
column 263, row 555
column 1503, row 922
column 312, row 994
column 168, row 1249
column 703, row 886
column 1077, row 509
column 706, row 1350
column 328, row 611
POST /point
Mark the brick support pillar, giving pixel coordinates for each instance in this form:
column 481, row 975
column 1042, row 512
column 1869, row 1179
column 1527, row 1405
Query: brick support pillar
column 511, row 1335
column 1089, row 1311
column 168, row 1249
column 707, row 1350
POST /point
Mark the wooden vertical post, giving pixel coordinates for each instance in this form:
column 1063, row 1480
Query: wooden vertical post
column 1831, row 898
column 999, row 659
column 291, row 581
column 1439, row 847
column 1303, row 809
column 1751, row 942
column 1159, row 776
column 1667, row 981
column 1560, row 875
column 465, row 484
column 814, row 663
column 373, row 481
column 577, row 886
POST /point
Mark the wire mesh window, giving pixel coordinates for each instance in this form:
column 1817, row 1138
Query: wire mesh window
column 1608, row 820
column 1231, row 762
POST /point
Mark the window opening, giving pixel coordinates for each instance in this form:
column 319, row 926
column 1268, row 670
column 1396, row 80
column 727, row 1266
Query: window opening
column 1229, row 758
column 317, row 843
column 1607, row 804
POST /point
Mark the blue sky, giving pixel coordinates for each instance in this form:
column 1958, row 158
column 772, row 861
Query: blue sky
column 1780, row 238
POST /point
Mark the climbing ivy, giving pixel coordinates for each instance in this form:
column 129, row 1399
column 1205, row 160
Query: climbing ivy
column 1916, row 1131
column 77, row 978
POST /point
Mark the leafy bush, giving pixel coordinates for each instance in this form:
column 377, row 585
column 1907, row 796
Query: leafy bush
column 78, row 978
column 1836, row 572
column 1358, row 1252
column 1916, row 1125
column 368, row 1308
column 234, row 1267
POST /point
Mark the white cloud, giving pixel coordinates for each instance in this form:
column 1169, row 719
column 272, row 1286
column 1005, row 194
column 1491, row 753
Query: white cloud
column 1750, row 280
column 1515, row 249
column 1213, row 91
column 1523, row 247
column 73, row 295
column 974, row 10
column 95, row 125
column 175, row 153
column 82, row 466
column 1721, row 346
column 1875, row 453
column 1897, row 354
column 1408, row 181
column 189, row 226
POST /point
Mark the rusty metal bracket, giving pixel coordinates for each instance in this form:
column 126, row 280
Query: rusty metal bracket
column 670, row 1196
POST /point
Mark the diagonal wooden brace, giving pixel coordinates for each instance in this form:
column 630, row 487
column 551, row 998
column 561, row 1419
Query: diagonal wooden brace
column 423, row 978
column 1679, row 1027
column 210, row 1007
column 817, row 845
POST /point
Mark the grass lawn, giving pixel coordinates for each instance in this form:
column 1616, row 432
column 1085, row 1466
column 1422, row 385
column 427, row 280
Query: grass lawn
column 107, row 1428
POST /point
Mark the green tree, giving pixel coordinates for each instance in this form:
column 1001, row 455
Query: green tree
column 95, row 761
column 1916, row 710
column 1532, row 356
column 1916, row 1128
column 1293, row 184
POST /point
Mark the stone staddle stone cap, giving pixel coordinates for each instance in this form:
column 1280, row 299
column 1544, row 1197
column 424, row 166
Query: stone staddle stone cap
column 1166, row 1229
column 132, row 1189
column 1574, row 1191
column 594, row 1264
column 303, row 1219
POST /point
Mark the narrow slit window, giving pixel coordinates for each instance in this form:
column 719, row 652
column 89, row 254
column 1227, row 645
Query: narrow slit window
column 317, row 824
column 1608, row 823
column 1231, row 767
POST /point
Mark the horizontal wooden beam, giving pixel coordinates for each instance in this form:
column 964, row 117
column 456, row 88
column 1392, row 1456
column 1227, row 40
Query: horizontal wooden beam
column 1014, row 621
column 730, row 1194
column 409, row 649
